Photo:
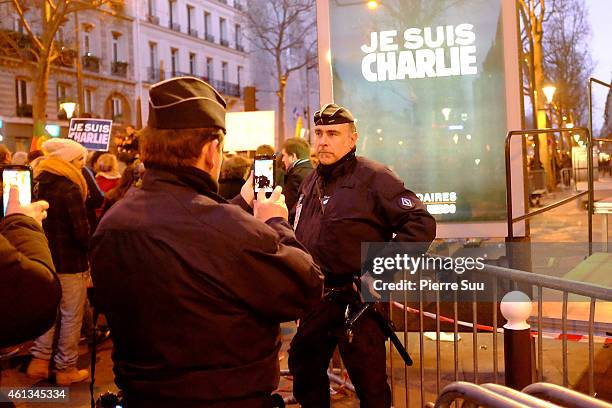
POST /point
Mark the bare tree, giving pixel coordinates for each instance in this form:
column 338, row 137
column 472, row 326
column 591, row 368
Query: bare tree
column 567, row 59
column 41, row 20
column 281, row 29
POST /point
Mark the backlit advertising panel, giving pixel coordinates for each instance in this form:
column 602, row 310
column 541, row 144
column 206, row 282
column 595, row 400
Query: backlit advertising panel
column 434, row 88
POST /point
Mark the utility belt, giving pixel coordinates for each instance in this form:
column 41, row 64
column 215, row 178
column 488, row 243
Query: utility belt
column 356, row 309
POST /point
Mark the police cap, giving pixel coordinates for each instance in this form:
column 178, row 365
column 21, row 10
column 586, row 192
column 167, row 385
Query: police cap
column 332, row 114
column 185, row 103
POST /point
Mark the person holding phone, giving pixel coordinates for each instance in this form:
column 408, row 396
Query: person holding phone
column 61, row 183
column 194, row 287
column 347, row 200
column 29, row 288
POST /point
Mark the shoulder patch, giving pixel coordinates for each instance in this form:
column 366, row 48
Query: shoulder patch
column 405, row 203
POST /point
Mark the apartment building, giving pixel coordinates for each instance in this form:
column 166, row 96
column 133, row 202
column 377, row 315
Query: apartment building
column 192, row 37
column 107, row 80
column 121, row 55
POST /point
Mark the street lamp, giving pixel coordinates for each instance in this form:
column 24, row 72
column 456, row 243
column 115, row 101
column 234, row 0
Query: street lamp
column 69, row 108
column 373, row 4
column 549, row 92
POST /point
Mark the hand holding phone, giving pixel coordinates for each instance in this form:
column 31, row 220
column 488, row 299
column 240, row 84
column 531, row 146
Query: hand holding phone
column 37, row 210
column 263, row 175
column 21, row 177
column 266, row 208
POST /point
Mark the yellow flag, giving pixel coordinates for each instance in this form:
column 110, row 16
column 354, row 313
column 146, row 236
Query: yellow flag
column 298, row 127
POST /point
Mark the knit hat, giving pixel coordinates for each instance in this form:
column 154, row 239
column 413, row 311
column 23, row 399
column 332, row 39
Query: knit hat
column 65, row 149
column 185, row 103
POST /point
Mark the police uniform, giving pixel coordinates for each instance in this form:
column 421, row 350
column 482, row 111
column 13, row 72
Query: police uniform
column 341, row 205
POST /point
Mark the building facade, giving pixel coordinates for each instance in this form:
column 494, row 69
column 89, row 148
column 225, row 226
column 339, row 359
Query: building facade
column 121, row 51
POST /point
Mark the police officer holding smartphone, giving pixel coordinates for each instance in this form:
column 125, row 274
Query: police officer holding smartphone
column 346, row 201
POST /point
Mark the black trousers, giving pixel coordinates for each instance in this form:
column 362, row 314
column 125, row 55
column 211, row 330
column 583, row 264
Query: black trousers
column 364, row 357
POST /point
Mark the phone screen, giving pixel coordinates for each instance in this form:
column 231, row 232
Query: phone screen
column 20, row 178
column 263, row 176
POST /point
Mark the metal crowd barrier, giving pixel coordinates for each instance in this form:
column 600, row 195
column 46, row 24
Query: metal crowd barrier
column 541, row 395
column 503, row 280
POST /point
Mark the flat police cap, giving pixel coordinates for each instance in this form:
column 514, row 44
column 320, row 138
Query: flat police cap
column 185, row 103
column 332, row 114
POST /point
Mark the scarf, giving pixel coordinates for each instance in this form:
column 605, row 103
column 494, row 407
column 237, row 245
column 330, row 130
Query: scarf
column 63, row 168
column 325, row 170
column 195, row 178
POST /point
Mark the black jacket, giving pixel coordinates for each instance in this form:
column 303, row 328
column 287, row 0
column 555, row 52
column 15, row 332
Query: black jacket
column 194, row 289
column 230, row 187
column 293, row 179
column 29, row 289
column 360, row 201
column 66, row 225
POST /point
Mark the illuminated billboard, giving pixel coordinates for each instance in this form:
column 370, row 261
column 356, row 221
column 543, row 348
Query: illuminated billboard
column 429, row 83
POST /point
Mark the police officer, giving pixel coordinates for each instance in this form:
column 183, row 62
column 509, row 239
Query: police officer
column 346, row 201
column 194, row 287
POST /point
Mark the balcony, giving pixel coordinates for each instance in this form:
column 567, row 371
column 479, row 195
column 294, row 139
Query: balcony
column 154, row 74
column 67, row 57
column 119, row 68
column 91, row 63
column 238, row 6
column 226, row 88
column 175, row 27
column 224, row 42
column 209, row 37
column 240, row 47
column 24, row 110
column 223, row 1
column 193, row 32
column 153, row 19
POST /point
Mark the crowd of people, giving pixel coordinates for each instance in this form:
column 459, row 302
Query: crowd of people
column 192, row 270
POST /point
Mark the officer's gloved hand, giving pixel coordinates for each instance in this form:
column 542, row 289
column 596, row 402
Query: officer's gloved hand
column 247, row 192
column 266, row 208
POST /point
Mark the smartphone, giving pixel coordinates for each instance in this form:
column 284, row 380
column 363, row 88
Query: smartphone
column 263, row 174
column 20, row 176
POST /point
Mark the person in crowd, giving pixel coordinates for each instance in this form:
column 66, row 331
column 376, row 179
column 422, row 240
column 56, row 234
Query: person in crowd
column 107, row 172
column 5, row 155
column 34, row 154
column 61, row 183
column 296, row 159
column 20, row 158
column 130, row 178
column 29, row 288
column 95, row 198
column 234, row 172
column 346, row 201
column 194, row 287
column 279, row 172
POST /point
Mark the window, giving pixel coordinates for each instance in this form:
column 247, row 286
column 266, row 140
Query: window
column 192, row 63
column 153, row 55
column 239, row 76
column 151, row 7
column 238, row 35
column 174, row 61
column 207, row 25
column 115, row 47
column 21, row 87
column 61, row 94
column 88, row 100
column 116, row 108
column 59, row 36
column 224, row 73
column 222, row 30
column 86, row 42
column 171, row 4
column 209, row 68
column 190, row 26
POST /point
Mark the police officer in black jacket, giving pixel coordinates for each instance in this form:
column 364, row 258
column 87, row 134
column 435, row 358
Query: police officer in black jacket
column 194, row 287
column 346, row 201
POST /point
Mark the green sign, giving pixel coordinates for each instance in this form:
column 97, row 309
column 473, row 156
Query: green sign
column 425, row 81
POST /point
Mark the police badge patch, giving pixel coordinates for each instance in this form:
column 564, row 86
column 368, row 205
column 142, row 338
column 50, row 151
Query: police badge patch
column 405, row 203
